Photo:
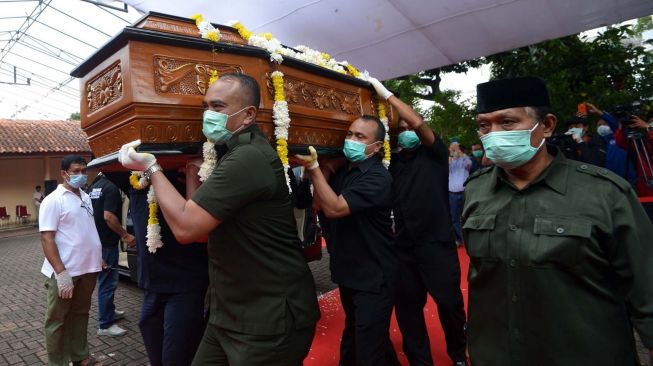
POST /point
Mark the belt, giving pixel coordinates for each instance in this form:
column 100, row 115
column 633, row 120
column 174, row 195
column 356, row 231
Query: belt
column 461, row 192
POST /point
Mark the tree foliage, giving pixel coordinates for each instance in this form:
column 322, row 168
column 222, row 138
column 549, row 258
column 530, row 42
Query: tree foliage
column 607, row 69
column 452, row 117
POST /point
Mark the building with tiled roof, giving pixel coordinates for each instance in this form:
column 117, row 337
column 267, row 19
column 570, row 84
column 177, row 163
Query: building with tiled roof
column 30, row 155
column 41, row 136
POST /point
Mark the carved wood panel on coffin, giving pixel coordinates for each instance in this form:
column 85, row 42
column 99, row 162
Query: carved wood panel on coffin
column 187, row 77
column 105, row 88
column 304, row 93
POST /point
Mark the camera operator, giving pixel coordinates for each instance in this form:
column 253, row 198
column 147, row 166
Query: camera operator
column 578, row 144
column 636, row 136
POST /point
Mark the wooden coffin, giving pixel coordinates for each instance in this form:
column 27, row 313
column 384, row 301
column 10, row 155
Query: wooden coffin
column 148, row 82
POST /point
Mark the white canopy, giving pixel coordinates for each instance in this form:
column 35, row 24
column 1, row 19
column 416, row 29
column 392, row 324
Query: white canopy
column 392, row 38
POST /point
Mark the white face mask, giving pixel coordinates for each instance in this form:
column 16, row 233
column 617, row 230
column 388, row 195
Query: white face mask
column 604, row 130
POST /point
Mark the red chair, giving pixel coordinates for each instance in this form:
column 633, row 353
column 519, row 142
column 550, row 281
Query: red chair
column 3, row 214
column 21, row 214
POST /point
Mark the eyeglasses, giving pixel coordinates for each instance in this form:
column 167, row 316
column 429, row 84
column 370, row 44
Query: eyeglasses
column 87, row 208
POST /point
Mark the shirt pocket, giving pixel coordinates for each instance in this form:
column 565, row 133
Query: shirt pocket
column 477, row 231
column 559, row 239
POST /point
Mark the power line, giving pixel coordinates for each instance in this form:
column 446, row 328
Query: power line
column 40, row 63
column 44, row 43
column 38, row 10
column 86, row 24
column 53, row 90
column 33, row 74
column 66, row 34
column 47, row 53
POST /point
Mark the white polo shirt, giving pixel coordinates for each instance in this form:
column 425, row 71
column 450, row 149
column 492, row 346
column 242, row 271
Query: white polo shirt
column 76, row 237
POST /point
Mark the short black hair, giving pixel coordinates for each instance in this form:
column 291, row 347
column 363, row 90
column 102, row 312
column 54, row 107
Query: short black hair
column 249, row 87
column 380, row 130
column 71, row 159
column 38, row 187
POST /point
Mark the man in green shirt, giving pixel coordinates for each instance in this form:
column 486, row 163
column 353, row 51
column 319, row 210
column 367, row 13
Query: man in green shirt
column 561, row 261
column 263, row 306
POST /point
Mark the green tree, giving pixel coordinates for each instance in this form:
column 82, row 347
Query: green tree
column 450, row 117
column 606, row 70
column 75, row 116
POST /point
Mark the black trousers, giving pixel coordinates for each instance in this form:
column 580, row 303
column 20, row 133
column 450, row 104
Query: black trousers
column 172, row 326
column 365, row 339
column 432, row 268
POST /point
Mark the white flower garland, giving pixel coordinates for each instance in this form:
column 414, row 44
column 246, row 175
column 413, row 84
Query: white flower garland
column 154, row 241
column 153, row 235
column 280, row 113
column 281, row 118
column 210, row 159
column 386, row 140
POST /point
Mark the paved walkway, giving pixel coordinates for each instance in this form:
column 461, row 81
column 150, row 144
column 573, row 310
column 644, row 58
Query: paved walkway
column 22, row 307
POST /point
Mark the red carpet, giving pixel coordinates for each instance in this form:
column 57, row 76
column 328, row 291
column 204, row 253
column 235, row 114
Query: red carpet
column 325, row 348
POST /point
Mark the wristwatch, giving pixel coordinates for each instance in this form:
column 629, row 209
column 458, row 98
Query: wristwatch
column 151, row 170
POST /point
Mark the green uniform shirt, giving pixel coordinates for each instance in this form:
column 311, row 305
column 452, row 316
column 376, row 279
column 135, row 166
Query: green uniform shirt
column 559, row 271
column 257, row 273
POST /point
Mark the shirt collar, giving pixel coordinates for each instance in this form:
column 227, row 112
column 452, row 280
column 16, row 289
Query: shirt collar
column 243, row 137
column 365, row 165
column 552, row 176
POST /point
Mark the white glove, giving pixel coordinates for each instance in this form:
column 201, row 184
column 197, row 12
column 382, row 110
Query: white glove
column 133, row 160
column 380, row 89
column 65, row 284
column 309, row 161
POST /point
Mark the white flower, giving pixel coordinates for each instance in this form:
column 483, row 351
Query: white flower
column 153, row 238
column 210, row 159
column 153, row 230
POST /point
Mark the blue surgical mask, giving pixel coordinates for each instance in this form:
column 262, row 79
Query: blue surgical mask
column 477, row 154
column 214, row 126
column 77, row 181
column 510, row 149
column 355, row 150
column 408, row 140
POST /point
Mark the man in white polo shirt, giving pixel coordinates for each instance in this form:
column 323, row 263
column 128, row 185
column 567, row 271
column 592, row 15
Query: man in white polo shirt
column 73, row 258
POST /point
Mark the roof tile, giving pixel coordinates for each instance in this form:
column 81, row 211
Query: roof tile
column 19, row 136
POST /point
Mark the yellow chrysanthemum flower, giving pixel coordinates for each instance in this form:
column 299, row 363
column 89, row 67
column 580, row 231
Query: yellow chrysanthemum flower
column 214, row 76
column 133, row 181
column 198, row 18
column 213, row 36
column 152, row 219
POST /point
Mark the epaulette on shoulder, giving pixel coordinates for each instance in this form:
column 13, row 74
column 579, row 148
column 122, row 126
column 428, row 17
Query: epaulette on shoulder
column 478, row 173
column 604, row 173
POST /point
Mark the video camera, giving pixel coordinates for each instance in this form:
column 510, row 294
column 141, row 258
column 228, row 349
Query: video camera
column 624, row 112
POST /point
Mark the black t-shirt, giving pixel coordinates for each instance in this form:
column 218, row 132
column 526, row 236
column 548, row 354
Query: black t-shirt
column 361, row 244
column 421, row 194
column 174, row 267
column 105, row 196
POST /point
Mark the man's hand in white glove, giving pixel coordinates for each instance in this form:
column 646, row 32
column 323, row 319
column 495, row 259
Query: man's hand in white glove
column 309, row 161
column 380, row 89
column 65, row 284
column 131, row 159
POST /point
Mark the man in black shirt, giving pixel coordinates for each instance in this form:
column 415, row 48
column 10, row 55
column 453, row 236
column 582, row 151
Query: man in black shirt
column 107, row 213
column 424, row 237
column 356, row 204
column 175, row 279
